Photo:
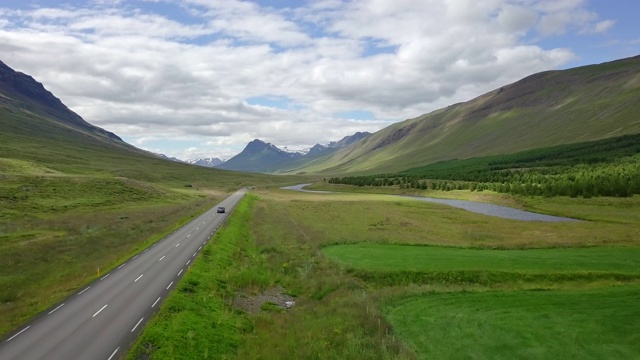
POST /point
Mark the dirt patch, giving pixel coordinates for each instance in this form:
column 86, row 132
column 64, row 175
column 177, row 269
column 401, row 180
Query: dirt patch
column 253, row 303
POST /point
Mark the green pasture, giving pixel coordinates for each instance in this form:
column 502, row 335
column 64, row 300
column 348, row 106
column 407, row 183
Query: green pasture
column 602, row 323
column 381, row 257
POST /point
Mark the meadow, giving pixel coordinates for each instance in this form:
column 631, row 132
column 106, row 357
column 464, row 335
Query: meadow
column 383, row 277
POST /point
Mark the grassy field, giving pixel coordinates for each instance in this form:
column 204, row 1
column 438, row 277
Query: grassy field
column 563, row 324
column 367, row 312
column 625, row 260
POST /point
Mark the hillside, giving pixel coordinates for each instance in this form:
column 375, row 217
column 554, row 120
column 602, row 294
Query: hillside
column 75, row 198
column 545, row 109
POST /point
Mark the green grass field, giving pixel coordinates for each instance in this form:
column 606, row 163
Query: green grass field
column 599, row 323
column 434, row 258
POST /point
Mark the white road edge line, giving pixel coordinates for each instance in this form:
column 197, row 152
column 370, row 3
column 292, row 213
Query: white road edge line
column 139, row 321
column 51, row 312
column 194, row 254
column 180, row 272
column 102, row 308
column 155, row 302
column 80, row 293
column 21, row 331
column 122, row 265
column 200, row 248
column 133, row 258
column 138, row 278
column 171, row 283
column 161, row 258
column 113, row 353
column 188, row 262
column 104, row 277
column 204, row 242
column 145, row 250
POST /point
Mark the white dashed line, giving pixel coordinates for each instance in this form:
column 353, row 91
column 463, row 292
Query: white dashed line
column 98, row 312
column 169, row 285
column 138, row 278
column 104, row 277
column 80, row 293
column 145, row 250
column 133, row 258
column 197, row 228
column 113, row 353
column 21, row 331
column 194, row 254
column 188, row 262
column 200, row 248
column 155, row 302
column 138, row 323
column 51, row 312
column 180, row 272
column 178, row 244
column 122, row 265
column 188, row 235
column 161, row 258
column 204, row 242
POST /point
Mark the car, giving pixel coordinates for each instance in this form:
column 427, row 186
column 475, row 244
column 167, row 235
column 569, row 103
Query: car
column 221, row 209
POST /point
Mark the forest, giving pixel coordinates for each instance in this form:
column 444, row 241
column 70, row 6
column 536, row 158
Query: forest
column 608, row 167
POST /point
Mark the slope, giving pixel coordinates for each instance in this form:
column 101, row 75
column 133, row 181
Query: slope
column 75, row 199
column 545, row 109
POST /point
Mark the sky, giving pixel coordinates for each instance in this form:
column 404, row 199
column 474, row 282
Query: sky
column 202, row 78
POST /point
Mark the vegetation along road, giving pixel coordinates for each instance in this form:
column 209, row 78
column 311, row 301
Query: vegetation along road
column 106, row 316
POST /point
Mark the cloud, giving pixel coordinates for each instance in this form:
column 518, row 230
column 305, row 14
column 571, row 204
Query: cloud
column 148, row 76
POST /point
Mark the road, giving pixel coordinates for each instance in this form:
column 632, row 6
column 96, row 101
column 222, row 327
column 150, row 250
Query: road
column 102, row 319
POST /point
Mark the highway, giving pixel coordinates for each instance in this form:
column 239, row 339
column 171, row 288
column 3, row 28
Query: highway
column 103, row 318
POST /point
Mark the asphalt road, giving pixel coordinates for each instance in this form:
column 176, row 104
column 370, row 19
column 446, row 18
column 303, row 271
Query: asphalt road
column 102, row 319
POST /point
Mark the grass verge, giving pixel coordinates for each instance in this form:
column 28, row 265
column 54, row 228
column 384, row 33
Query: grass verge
column 196, row 321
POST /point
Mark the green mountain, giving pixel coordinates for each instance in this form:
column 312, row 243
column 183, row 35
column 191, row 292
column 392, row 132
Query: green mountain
column 545, row 109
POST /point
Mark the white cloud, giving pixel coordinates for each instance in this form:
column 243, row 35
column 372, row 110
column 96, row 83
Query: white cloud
column 149, row 77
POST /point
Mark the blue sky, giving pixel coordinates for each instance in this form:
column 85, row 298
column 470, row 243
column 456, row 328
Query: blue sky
column 201, row 78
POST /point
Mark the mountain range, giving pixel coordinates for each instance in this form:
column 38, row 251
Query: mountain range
column 260, row 156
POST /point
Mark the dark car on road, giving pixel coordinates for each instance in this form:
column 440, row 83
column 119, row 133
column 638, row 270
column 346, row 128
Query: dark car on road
column 221, row 209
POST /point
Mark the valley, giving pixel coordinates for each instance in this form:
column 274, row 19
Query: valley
column 371, row 275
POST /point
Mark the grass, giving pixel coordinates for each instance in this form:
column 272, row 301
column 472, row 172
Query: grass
column 564, row 324
column 434, row 258
column 195, row 321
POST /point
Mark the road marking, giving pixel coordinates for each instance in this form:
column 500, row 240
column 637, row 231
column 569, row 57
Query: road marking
column 155, row 302
column 180, row 272
column 169, row 285
column 145, row 250
column 188, row 262
column 178, row 244
column 133, row 258
column 113, row 353
column 188, row 235
column 194, row 254
column 122, row 265
column 204, row 242
column 80, row 293
column 161, row 258
column 138, row 278
column 139, row 321
column 21, row 331
column 51, row 312
column 197, row 228
column 104, row 277
column 200, row 248
column 102, row 308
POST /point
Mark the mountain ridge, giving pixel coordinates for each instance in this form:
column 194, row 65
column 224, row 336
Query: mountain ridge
column 543, row 109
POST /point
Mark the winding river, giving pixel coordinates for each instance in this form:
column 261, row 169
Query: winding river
column 504, row 212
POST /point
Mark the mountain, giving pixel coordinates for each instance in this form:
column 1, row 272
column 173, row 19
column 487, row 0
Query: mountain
column 259, row 156
column 22, row 92
column 206, row 162
column 545, row 109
